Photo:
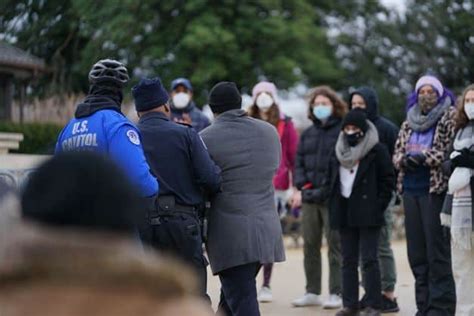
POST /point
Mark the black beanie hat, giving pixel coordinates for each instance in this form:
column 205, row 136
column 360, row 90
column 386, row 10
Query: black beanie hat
column 225, row 96
column 149, row 94
column 358, row 118
column 82, row 190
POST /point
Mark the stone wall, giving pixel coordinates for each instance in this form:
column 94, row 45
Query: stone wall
column 15, row 169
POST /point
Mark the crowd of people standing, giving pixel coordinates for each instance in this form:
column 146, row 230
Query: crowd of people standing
column 225, row 184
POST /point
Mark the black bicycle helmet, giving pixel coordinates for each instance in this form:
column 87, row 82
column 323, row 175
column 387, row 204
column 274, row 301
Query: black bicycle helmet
column 109, row 70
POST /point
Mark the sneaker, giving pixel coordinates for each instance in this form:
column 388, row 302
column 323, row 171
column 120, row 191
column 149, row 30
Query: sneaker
column 309, row 299
column 346, row 311
column 369, row 311
column 389, row 306
column 334, row 301
column 265, row 295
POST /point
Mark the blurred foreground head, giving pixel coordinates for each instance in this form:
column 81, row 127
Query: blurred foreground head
column 71, row 257
column 84, row 190
column 66, row 272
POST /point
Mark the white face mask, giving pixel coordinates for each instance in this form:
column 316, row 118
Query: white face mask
column 264, row 101
column 469, row 109
column 181, row 100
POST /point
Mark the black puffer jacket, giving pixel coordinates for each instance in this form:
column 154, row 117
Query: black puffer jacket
column 315, row 151
column 388, row 131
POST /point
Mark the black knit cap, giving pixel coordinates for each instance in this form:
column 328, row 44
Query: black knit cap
column 225, row 96
column 149, row 94
column 358, row 118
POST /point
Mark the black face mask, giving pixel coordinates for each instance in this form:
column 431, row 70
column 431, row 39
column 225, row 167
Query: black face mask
column 354, row 139
column 363, row 110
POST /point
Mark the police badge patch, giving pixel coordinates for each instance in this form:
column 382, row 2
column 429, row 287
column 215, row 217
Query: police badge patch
column 133, row 137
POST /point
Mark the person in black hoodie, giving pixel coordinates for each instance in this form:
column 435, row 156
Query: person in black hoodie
column 315, row 150
column 366, row 98
column 362, row 182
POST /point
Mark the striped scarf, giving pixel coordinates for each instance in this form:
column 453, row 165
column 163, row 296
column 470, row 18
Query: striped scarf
column 460, row 221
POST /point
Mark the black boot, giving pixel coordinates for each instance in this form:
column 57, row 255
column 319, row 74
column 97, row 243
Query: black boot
column 389, row 306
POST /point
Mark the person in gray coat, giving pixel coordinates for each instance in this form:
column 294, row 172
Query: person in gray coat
column 244, row 227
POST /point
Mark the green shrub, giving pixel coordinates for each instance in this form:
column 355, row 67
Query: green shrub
column 39, row 138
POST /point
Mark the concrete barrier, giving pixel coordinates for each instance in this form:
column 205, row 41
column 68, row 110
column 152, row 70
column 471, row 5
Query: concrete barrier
column 15, row 169
column 9, row 141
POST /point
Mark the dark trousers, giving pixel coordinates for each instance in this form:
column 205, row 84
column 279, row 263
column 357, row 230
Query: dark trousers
column 238, row 291
column 267, row 274
column 388, row 271
column 365, row 240
column 429, row 255
column 179, row 236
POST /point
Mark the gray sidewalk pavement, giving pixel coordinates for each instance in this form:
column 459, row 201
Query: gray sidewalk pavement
column 288, row 283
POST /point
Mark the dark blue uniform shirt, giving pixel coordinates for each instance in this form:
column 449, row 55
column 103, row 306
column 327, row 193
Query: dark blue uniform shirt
column 179, row 158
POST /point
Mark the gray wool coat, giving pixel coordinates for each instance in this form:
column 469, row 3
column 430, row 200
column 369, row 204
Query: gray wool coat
column 244, row 226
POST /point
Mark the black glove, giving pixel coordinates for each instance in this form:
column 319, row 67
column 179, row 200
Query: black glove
column 408, row 167
column 447, row 167
column 465, row 159
column 411, row 162
column 313, row 196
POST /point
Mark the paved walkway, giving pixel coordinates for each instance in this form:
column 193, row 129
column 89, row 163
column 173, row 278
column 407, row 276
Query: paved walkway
column 288, row 283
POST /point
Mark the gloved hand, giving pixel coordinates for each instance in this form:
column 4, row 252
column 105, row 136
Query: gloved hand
column 312, row 195
column 411, row 162
column 447, row 167
column 464, row 159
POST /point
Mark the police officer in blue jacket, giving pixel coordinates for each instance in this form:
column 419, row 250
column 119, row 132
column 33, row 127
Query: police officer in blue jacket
column 186, row 172
column 99, row 125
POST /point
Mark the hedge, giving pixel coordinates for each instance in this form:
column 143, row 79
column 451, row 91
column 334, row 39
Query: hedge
column 39, row 138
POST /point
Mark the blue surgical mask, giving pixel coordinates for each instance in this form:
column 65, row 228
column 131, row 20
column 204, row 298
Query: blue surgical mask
column 322, row 112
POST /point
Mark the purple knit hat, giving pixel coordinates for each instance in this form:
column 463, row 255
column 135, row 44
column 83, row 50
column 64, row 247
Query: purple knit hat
column 431, row 81
column 265, row 86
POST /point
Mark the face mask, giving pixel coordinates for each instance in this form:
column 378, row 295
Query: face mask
column 353, row 138
column 362, row 109
column 469, row 109
column 428, row 102
column 181, row 100
column 264, row 101
column 322, row 112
